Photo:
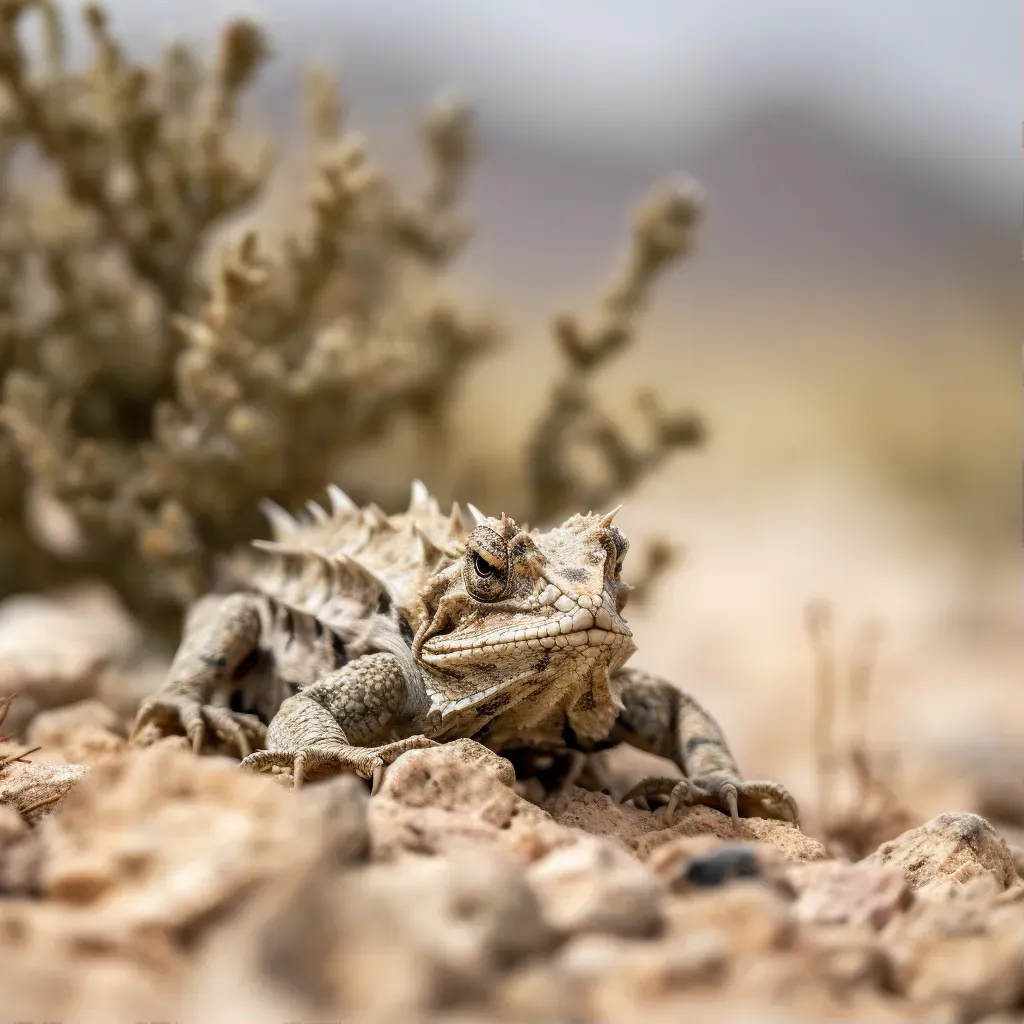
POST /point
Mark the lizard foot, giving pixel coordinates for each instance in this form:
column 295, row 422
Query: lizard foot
column 171, row 714
column 319, row 761
column 723, row 791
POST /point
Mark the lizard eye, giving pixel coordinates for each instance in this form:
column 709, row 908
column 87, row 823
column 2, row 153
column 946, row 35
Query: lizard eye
column 485, row 570
column 621, row 547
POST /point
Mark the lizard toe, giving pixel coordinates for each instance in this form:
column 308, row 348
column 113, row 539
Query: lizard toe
column 740, row 797
column 658, row 786
column 242, row 731
column 684, row 794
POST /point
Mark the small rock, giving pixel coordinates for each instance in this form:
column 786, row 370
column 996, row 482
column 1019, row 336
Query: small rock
column 60, row 965
column 593, row 885
column 535, row 993
column 34, row 789
column 648, row 971
column 669, row 859
column 862, row 894
column 689, row 864
column 459, row 776
column 961, row 954
column 82, row 733
column 850, row 957
column 398, row 831
column 748, row 918
column 341, row 805
column 20, row 855
column 728, row 862
column 958, row 847
column 456, row 796
column 54, row 651
column 385, row 942
column 159, row 840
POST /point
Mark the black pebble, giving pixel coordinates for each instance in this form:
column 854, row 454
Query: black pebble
column 737, row 860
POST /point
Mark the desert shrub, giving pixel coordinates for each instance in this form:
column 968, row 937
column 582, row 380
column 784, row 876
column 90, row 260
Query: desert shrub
column 158, row 379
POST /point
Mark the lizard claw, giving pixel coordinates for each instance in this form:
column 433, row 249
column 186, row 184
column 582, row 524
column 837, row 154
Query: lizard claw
column 173, row 714
column 728, row 793
column 309, row 763
column 378, row 777
column 662, row 787
column 196, row 734
column 723, row 791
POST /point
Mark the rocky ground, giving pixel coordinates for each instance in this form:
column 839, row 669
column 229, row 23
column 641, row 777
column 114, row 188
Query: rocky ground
column 148, row 884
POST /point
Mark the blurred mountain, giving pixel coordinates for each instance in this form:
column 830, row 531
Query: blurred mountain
column 798, row 203
column 798, row 200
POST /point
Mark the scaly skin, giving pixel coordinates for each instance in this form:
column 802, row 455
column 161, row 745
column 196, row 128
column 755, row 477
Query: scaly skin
column 365, row 635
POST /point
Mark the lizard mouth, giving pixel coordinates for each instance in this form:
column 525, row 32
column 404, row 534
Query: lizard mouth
column 563, row 633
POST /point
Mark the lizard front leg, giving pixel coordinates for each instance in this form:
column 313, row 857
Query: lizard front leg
column 662, row 720
column 221, row 635
column 329, row 726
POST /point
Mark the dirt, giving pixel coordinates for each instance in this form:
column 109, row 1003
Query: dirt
column 159, row 885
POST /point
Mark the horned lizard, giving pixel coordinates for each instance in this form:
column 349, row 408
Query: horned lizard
column 359, row 636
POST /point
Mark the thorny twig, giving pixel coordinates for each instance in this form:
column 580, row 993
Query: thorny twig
column 45, row 802
column 21, row 758
column 818, row 623
column 153, row 405
column 11, row 758
column 152, row 402
column 5, row 706
column 659, row 556
column 662, row 233
column 875, row 812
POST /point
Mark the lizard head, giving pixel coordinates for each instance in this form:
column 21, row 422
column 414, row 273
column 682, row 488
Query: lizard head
column 521, row 614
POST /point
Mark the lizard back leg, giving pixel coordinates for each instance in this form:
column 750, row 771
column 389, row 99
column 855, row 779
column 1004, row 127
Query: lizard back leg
column 220, row 637
column 662, row 720
column 332, row 725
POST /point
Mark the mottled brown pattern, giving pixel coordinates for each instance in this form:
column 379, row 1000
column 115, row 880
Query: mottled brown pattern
column 364, row 635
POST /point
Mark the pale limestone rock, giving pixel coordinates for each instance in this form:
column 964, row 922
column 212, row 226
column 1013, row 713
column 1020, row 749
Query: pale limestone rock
column 86, row 732
column 385, row 942
column 36, row 789
column 594, row 885
column 952, row 847
column 160, row 839
column 456, row 796
column 840, row 893
column 55, row 651
column 961, row 951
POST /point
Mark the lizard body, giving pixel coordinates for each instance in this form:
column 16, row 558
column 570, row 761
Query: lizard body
column 358, row 636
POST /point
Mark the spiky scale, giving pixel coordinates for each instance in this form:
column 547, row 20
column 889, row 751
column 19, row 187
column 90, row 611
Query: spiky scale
column 340, row 501
column 282, row 522
column 458, row 521
column 608, row 518
column 420, row 500
column 376, row 518
column 318, row 513
column 376, row 562
column 430, row 551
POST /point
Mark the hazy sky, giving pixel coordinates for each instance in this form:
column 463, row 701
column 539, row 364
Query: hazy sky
column 933, row 78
